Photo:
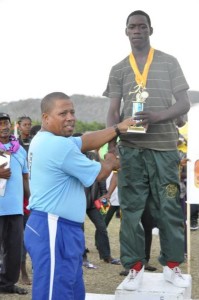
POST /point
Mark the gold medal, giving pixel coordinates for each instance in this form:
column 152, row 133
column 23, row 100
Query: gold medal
column 140, row 93
column 141, row 79
column 141, row 96
column 144, row 95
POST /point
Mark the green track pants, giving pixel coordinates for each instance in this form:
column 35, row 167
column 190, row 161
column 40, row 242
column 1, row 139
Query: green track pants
column 151, row 177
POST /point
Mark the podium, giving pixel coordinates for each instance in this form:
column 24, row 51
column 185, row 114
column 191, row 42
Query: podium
column 154, row 287
column 99, row 297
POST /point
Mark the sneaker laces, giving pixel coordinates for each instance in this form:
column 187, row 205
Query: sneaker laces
column 133, row 274
column 177, row 272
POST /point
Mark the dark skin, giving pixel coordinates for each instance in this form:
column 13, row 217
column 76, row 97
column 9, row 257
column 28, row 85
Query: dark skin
column 138, row 31
column 5, row 173
column 24, row 128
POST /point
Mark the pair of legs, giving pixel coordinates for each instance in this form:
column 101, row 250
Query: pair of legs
column 194, row 216
column 24, row 274
column 150, row 177
column 101, row 234
column 147, row 222
column 11, row 238
column 55, row 246
column 148, row 225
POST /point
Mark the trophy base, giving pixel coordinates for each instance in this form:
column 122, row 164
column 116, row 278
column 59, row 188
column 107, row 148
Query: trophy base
column 137, row 129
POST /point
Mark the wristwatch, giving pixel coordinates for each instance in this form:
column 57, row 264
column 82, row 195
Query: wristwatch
column 117, row 131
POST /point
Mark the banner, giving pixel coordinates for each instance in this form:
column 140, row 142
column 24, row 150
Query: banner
column 193, row 155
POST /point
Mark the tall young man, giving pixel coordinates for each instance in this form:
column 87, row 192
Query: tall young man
column 150, row 159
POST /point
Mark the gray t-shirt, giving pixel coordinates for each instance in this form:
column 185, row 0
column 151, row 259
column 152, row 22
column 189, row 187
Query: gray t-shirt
column 165, row 78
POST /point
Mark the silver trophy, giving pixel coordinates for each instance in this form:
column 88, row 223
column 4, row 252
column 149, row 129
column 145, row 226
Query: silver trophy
column 137, row 106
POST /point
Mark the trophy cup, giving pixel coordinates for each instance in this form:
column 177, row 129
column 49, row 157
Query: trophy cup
column 137, row 106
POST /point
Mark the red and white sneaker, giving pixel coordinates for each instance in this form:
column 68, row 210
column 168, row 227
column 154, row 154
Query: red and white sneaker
column 175, row 277
column 133, row 280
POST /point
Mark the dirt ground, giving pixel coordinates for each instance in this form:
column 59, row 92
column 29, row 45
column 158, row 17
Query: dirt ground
column 106, row 278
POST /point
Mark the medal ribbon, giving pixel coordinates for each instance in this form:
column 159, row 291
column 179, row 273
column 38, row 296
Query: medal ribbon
column 14, row 147
column 141, row 79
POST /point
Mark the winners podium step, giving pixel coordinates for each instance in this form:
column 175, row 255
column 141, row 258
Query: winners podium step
column 154, row 287
column 99, row 297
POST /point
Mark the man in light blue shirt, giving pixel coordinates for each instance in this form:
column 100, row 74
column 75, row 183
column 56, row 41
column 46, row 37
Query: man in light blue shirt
column 58, row 172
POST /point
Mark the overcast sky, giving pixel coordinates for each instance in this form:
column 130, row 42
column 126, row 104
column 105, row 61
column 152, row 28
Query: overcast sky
column 70, row 45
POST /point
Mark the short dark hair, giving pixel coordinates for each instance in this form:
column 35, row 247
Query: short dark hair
column 47, row 101
column 34, row 130
column 20, row 119
column 139, row 12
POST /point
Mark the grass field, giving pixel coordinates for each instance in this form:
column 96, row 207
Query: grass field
column 106, row 278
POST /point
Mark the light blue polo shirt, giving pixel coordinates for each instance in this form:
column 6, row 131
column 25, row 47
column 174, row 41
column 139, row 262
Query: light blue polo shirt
column 58, row 174
column 12, row 201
